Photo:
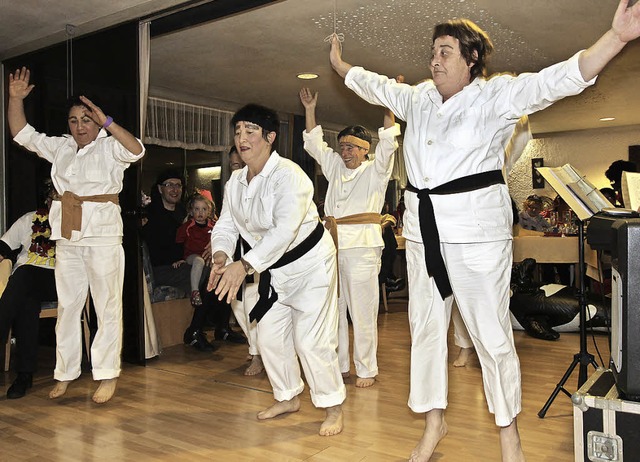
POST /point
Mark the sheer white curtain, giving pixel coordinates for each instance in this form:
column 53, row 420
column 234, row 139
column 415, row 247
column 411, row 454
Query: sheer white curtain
column 144, row 43
column 152, row 347
column 188, row 126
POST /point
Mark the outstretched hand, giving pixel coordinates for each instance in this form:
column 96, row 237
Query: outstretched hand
column 626, row 22
column 308, row 99
column 335, row 55
column 94, row 112
column 19, row 86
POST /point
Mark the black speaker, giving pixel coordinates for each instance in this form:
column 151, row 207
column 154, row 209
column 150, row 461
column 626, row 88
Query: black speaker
column 625, row 307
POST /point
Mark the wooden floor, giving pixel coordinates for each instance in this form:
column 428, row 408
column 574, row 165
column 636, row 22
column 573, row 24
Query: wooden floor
column 187, row 406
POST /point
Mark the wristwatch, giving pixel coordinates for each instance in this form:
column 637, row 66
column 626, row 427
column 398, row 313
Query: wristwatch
column 247, row 267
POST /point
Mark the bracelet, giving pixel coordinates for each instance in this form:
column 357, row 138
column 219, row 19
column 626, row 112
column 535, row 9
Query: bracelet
column 107, row 122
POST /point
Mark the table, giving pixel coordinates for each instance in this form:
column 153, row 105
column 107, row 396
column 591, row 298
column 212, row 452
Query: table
column 552, row 249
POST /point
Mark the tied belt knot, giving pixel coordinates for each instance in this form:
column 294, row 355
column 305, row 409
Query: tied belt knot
column 429, row 229
column 72, row 210
column 267, row 295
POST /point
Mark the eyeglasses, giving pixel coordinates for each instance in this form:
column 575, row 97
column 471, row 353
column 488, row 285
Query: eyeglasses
column 169, row 185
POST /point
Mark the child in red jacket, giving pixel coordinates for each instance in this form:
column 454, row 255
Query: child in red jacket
column 195, row 234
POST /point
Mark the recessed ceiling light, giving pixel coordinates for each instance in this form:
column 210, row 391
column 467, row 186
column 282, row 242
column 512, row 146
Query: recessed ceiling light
column 307, row 76
column 607, row 119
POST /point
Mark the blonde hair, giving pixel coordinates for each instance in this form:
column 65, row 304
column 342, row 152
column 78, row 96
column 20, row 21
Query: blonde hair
column 197, row 197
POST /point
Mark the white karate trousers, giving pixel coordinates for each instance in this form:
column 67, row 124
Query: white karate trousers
column 460, row 334
column 360, row 294
column 78, row 268
column 480, row 274
column 241, row 310
column 303, row 324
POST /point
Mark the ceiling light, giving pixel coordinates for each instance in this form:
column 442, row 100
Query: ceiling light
column 607, row 119
column 307, row 76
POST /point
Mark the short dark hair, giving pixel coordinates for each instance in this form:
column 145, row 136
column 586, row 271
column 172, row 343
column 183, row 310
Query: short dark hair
column 232, row 150
column 266, row 118
column 471, row 38
column 75, row 101
column 356, row 130
column 614, row 172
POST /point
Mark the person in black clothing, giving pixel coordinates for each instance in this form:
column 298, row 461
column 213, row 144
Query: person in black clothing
column 614, row 175
column 31, row 283
column 389, row 253
column 165, row 214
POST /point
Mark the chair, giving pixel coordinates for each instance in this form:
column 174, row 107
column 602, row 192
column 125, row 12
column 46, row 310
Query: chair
column 383, row 295
column 50, row 310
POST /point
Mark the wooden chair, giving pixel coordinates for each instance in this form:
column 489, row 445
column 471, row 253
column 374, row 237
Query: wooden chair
column 383, row 295
column 50, row 310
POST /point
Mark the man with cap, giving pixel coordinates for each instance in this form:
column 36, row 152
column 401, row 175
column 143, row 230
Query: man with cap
column 165, row 214
column 269, row 203
column 355, row 197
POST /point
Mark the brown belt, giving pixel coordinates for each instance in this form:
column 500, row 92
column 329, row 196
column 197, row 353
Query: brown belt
column 331, row 223
column 367, row 218
column 72, row 210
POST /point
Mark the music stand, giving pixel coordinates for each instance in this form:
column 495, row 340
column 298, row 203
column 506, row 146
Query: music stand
column 585, row 200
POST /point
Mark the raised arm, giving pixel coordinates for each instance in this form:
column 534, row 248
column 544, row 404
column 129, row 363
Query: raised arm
column 624, row 28
column 335, row 56
column 19, row 89
column 124, row 137
column 309, row 101
column 389, row 116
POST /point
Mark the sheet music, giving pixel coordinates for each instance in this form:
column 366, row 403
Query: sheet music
column 631, row 190
column 582, row 196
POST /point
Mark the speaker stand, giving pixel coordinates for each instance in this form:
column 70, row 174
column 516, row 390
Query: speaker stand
column 583, row 358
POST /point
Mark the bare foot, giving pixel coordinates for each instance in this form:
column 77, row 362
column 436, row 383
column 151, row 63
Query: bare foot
column 280, row 407
column 463, row 357
column 255, row 367
column 60, row 389
column 365, row 382
column 332, row 425
column 105, row 391
column 434, row 430
column 510, row 443
column 346, row 375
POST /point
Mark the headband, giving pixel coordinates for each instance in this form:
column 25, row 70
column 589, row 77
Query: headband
column 355, row 141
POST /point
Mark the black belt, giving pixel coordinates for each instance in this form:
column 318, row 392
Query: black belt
column 268, row 296
column 428, row 228
column 242, row 247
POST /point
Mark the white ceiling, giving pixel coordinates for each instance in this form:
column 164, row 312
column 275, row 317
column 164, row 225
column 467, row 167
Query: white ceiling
column 255, row 56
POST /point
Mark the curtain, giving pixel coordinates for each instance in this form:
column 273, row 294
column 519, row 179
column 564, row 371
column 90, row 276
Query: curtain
column 175, row 124
column 152, row 345
column 144, row 43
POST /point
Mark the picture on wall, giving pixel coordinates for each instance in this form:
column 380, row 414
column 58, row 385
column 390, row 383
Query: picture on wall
column 537, row 181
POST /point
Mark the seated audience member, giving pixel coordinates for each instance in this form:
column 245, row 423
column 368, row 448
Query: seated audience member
column 165, row 214
column 195, row 235
column 530, row 217
column 31, row 283
column 540, row 307
column 389, row 254
column 614, row 175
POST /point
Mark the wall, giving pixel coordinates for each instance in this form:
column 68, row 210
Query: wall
column 589, row 151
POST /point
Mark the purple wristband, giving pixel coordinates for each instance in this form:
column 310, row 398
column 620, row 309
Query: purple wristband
column 107, row 122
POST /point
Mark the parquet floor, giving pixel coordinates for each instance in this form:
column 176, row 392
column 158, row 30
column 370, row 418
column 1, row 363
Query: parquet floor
column 187, row 406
